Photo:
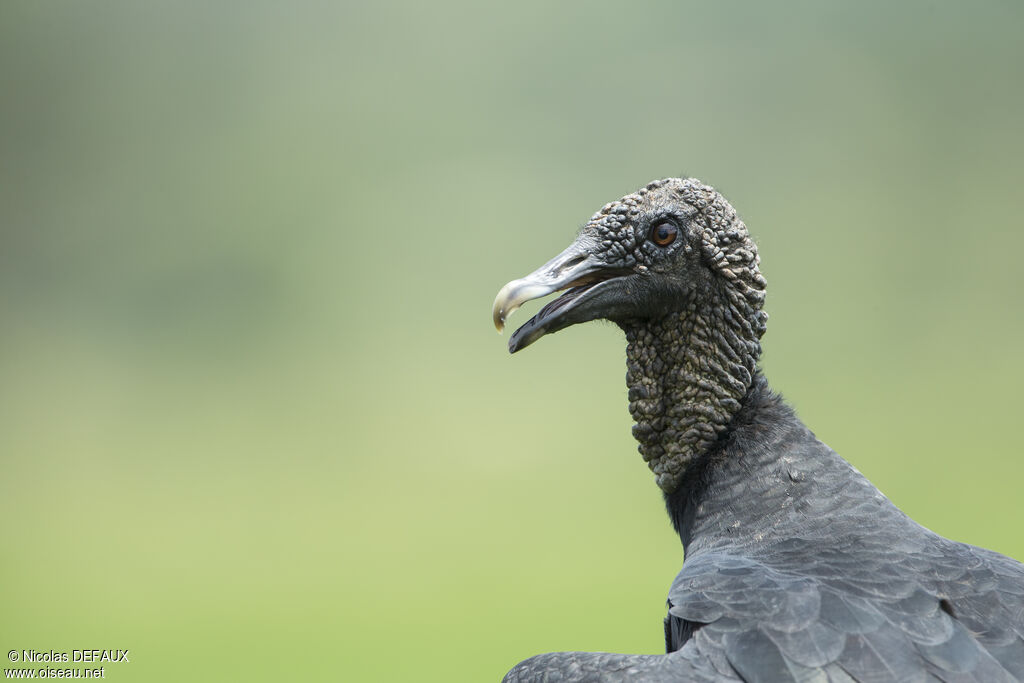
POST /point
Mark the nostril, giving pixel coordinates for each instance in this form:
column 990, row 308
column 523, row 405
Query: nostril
column 573, row 262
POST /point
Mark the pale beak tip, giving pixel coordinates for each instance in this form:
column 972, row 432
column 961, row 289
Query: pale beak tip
column 501, row 308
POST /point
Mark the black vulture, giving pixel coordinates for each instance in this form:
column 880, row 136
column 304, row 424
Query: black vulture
column 796, row 568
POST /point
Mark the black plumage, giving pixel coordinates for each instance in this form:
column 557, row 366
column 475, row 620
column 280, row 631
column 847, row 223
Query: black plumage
column 796, row 567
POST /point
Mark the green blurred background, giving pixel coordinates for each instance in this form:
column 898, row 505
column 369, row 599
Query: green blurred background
column 255, row 423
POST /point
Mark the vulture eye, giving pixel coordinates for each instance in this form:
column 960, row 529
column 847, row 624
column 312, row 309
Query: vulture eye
column 663, row 233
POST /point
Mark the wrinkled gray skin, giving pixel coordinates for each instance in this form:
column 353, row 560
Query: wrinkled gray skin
column 796, row 567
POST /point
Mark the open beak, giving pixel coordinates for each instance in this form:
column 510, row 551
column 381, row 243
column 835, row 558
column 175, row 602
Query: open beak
column 575, row 270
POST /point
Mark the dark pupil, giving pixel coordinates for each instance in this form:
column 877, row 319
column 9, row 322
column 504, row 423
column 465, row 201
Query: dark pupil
column 664, row 233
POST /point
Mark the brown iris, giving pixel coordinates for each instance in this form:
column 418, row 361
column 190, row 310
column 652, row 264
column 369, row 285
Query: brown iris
column 663, row 233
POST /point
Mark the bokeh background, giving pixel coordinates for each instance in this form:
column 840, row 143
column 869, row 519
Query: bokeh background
column 255, row 423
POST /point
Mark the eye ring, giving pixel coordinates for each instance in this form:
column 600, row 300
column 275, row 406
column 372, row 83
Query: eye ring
column 664, row 233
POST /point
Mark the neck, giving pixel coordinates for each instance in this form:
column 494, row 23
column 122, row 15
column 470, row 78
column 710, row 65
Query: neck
column 725, row 474
column 801, row 487
column 688, row 374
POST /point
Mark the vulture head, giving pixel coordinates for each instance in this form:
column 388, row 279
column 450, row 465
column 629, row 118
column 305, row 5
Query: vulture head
column 673, row 265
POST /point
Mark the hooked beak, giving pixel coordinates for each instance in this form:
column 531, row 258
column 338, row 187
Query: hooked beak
column 576, row 270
